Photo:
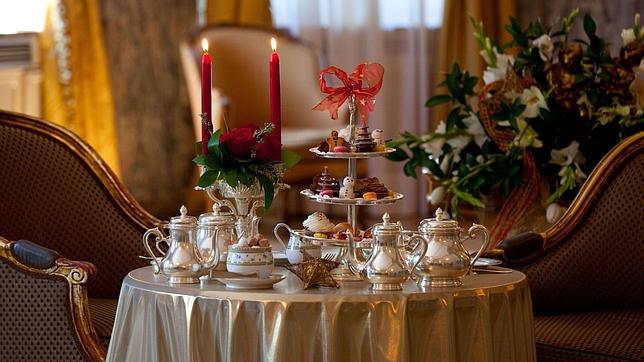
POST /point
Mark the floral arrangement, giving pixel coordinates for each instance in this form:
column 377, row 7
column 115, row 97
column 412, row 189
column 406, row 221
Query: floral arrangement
column 245, row 155
column 548, row 110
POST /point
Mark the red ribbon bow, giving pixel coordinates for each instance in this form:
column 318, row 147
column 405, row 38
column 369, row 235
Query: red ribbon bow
column 369, row 73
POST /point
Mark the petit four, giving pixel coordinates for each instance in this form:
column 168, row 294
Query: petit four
column 318, row 225
column 347, row 189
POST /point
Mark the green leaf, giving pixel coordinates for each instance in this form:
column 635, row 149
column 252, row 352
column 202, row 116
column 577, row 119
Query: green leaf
column 398, row 155
column 208, row 178
column 433, row 167
column 200, row 160
column 469, row 198
column 589, row 26
column 269, row 190
column 410, row 168
column 213, row 144
column 231, row 178
column 436, row 100
column 290, row 158
column 453, row 119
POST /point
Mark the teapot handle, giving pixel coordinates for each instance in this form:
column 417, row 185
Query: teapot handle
column 486, row 240
column 278, row 237
column 423, row 244
column 159, row 238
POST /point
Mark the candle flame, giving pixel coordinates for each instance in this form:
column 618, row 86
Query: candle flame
column 204, row 44
column 274, row 44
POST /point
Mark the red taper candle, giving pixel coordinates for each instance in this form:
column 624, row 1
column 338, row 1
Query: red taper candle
column 274, row 94
column 206, row 101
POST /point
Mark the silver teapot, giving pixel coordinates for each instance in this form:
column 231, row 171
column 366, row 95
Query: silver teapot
column 446, row 261
column 183, row 262
column 216, row 228
column 386, row 268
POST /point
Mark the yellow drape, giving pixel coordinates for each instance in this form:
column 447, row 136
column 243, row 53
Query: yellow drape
column 76, row 84
column 240, row 12
column 457, row 42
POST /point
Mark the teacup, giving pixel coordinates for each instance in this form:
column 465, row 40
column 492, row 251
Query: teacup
column 250, row 260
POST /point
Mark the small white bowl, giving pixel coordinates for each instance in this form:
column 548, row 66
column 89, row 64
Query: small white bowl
column 250, row 260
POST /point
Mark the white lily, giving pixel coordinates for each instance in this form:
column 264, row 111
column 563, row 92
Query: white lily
column 475, row 128
column 545, row 46
column 503, row 61
column 628, row 36
column 533, row 100
column 565, row 156
column 608, row 114
column 435, row 146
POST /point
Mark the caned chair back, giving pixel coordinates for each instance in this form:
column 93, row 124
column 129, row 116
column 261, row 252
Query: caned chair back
column 57, row 192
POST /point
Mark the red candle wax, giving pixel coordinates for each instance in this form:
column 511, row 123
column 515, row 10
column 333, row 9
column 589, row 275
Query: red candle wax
column 274, row 94
column 206, row 101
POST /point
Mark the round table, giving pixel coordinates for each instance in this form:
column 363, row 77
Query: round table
column 489, row 318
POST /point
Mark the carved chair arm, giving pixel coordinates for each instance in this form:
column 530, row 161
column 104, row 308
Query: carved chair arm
column 50, row 285
column 521, row 248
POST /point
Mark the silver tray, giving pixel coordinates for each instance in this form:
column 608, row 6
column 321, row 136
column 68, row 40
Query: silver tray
column 340, row 201
column 347, row 155
column 330, row 242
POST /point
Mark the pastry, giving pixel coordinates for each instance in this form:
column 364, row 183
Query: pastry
column 323, row 146
column 320, row 235
column 324, row 181
column 363, row 142
column 370, row 195
column 334, row 141
column 347, row 190
column 317, row 222
column 328, row 193
column 342, row 227
column 340, row 149
column 371, row 184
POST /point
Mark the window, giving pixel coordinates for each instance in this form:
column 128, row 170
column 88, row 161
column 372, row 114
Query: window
column 392, row 14
column 22, row 16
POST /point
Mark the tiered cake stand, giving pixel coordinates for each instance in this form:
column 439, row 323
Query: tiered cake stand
column 343, row 272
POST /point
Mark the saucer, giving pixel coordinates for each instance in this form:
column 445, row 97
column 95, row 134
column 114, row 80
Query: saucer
column 251, row 282
column 487, row 262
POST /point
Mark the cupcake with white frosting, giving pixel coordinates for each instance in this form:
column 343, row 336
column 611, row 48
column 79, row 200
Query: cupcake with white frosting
column 318, row 225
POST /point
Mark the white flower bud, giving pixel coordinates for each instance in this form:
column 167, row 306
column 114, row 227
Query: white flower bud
column 437, row 195
column 628, row 36
column 445, row 165
column 554, row 212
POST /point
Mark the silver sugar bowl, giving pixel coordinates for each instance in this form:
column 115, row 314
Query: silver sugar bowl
column 387, row 268
column 446, row 261
column 183, row 262
column 216, row 228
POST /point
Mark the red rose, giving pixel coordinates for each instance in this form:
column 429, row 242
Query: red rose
column 240, row 140
column 270, row 148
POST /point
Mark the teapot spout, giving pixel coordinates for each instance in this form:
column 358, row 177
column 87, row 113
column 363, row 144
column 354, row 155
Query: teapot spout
column 355, row 265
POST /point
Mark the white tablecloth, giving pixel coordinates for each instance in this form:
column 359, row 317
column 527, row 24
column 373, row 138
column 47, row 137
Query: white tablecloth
column 489, row 318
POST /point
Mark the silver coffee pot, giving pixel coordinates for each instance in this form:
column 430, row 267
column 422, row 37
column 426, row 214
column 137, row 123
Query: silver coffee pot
column 446, row 261
column 386, row 268
column 183, row 262
column 216, row 229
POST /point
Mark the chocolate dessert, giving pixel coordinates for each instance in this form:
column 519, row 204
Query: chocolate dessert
column 371, row 184
column 325, row 181
column 363, row 141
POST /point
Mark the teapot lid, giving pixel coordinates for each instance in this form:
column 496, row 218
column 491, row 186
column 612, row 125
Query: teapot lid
column 183, row 221
column 387, row 227
column 216, row 217
column 438, row 223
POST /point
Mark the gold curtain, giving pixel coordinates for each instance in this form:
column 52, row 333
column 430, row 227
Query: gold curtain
column 76, row 85
column 457, row 42
column 239, row 12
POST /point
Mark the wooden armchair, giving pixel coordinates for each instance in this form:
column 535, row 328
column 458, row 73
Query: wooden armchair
column 586, row 272
column 56, row 192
